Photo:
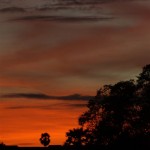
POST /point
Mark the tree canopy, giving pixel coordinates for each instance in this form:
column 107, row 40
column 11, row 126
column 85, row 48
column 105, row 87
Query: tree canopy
column 45, row 139
column 119, row 114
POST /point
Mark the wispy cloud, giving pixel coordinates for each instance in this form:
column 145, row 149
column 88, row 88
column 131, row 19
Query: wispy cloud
column 63, row 18
column 54, row 107
column 26, row 95
column 12, row 9
column 44, row 96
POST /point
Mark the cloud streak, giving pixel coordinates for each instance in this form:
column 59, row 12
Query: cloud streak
column 12, row 9
column 44, row 96
column 64, row 18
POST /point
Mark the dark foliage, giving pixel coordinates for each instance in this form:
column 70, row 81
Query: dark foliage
column 45, row 139
column 2, row 145
column 118, row 116
column 77, row 137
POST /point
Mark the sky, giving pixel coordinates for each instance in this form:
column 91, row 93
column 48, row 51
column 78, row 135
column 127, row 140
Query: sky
column 55, row 55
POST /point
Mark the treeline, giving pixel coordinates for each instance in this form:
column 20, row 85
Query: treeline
column 117, row 117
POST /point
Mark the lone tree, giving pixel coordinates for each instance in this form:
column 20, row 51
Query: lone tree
column 45, row 139
column 117, row 116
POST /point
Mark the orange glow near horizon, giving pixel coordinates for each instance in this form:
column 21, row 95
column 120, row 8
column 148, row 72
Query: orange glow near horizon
column 23, row 120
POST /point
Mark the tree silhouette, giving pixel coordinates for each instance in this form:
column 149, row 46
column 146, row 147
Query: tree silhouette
column 45, row 139
column 118, row 115
column 2, row 145
column 77, row 137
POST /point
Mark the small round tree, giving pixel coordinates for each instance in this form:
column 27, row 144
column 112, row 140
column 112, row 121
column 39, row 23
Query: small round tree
column 45, row 139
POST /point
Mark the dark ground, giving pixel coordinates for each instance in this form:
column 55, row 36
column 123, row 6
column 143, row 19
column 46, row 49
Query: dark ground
column 59, row 147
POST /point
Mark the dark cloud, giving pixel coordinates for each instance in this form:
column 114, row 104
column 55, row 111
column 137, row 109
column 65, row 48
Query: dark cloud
column 31, row 107
column 50, row 8
column 74, row 97
column 44, row 96
column 26, row 95
column 16, row 107
column 52, row 106
column 12, row 9
column 83, row 2
column 73, row 4
column 64, row 18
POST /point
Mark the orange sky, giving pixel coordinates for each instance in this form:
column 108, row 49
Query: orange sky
column 59, row 51
column 23, row 120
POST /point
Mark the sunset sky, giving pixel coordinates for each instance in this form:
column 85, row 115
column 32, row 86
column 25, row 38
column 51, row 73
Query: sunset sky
column 55, row 54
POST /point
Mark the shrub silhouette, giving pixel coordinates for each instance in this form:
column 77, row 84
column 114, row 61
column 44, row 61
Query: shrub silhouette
column 118, row 115
column 77, row 137
column 2, row 145
column 45, row 139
